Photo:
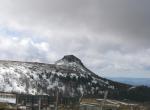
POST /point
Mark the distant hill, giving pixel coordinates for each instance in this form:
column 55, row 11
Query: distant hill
column 133, row 81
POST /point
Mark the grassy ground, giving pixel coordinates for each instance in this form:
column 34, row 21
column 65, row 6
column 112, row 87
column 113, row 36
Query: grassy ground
column 69, row 107
column 4, row 106
column 140, row 106
column 146, row 105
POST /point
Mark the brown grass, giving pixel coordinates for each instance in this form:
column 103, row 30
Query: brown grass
column 5, row 106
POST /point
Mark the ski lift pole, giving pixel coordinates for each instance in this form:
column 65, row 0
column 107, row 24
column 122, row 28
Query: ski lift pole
column 103, row 102
column 57, row 92
column 39, row 103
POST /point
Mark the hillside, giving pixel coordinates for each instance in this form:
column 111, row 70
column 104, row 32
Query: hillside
column 69, row 75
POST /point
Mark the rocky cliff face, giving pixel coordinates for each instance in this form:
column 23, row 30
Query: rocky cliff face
column 69, row 75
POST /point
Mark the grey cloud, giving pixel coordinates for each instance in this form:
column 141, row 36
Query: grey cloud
column 102, row 33
column 126, row 19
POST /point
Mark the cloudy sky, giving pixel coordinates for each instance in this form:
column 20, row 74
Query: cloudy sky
column 111, row 37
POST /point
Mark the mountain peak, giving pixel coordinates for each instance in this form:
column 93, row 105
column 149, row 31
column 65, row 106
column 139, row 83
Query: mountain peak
column 69, row 60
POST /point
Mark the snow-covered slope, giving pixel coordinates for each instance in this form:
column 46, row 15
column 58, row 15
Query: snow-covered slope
column 68, row 75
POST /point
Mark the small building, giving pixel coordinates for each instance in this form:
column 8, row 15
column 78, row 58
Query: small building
column 7, row 98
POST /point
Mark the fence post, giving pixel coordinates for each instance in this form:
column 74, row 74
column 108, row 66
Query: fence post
column 39, row 103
